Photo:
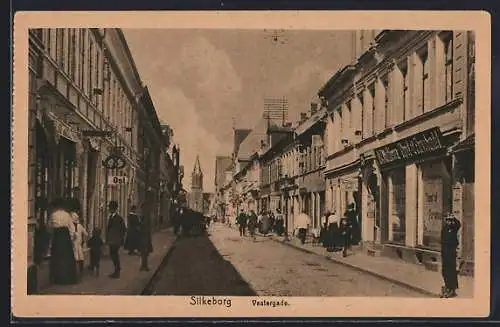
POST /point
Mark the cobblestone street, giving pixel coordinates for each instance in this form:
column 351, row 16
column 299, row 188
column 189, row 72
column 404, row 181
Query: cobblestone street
column 270, row 269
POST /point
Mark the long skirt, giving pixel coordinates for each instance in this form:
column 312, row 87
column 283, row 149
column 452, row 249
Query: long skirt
column 449, row 267
column 62, row 258
column 133, row 240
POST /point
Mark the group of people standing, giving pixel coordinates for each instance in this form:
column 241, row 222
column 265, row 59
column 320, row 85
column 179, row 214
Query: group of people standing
column 266, row 222
column 69, row 236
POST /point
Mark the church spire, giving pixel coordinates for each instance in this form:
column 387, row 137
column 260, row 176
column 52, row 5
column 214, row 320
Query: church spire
column 197, row 167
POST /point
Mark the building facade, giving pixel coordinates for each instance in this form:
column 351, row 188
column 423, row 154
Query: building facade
column 397, row 118
column 311, row 164
column 83, row 108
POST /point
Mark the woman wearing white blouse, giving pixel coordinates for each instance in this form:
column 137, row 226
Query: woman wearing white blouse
column 80, row 234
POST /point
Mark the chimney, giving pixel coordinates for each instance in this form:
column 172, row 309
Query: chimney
column 314, row 108
column 262, row 144
column 303, row 116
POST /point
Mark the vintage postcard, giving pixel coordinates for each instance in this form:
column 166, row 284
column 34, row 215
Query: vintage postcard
column 251, row 164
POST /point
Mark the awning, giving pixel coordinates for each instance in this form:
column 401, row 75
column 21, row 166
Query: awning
column 465, row 145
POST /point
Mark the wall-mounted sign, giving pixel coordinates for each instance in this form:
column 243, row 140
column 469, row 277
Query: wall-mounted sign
column 117, row 180
column 114, row 162
column 426, row 142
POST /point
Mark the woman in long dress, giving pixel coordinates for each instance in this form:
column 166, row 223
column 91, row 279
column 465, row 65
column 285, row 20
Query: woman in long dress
column 62, row 256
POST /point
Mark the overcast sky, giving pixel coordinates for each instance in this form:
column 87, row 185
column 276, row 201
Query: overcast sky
column 200, row 80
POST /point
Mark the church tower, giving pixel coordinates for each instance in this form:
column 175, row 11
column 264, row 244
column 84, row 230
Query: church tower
column 197, row 187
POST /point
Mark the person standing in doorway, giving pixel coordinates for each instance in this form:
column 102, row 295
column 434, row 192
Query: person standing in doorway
column 449, row 244
column 115, row 234
column 302, row 224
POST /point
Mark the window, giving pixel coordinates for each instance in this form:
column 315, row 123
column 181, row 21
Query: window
column 435, row 201
column 83, row 49
column 403, row 67
column 60, row 47
column 361, row 107
column 72, row 53
column 397, row 226
column 423, row 97
column 371, row 90
column 447, row 38
column 90, row 68
column 385, row 84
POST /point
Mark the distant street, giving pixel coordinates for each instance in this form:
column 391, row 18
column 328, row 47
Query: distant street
column 224, row 263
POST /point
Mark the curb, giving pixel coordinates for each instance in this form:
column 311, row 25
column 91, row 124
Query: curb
column 148, row 288
column 381, row 276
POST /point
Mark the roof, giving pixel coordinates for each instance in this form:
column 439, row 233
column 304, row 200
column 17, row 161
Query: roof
column 337, row 77
column 275, row 128
column 239, row 136
column 310, row 122
column 251, row 144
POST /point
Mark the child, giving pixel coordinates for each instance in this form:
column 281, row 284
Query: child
column 95, row 244
column 345, row 232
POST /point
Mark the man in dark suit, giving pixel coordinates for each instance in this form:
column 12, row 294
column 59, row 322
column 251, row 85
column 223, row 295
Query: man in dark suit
column 115, row 235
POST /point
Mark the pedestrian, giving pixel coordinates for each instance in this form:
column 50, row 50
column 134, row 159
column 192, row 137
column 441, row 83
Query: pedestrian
column 242, row 222
column 145, row 244
column 133, row 231
column 115, row 234
column 302, row 224
column 352, row 216
column 449, row 244
column 252, row 223
column 323, row 237
column 345, row 234
column 334, row 237
column 95, row 244
column 265, row 223
column 79, row 233
column 280, row 223
column 272, row 222
column 62, row 256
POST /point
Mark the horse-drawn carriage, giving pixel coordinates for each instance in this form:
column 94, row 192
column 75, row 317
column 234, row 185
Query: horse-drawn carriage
column 193, row 223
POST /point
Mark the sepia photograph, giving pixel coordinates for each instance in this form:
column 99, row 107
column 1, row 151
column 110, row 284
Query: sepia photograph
column 253, row 168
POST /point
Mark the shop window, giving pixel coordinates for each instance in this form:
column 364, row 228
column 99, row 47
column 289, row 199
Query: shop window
column 397, row 223
column 435, row 201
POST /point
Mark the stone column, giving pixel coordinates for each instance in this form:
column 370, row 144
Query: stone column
column 411, row 197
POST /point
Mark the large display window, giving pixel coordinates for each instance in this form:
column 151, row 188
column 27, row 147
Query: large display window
column 397, row 198
column 435, row 201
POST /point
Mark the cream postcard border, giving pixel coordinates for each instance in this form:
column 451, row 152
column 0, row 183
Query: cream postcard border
column 178, row 306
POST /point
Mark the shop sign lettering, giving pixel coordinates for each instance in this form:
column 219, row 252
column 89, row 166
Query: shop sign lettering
column 117, row 180
column 426, row 142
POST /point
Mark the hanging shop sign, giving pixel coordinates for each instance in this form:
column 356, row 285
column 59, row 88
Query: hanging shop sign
column 114, row 162
column 411, row 147
column 117, row 180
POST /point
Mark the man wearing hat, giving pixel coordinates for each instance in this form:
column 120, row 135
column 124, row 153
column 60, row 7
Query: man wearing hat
column 115, row 236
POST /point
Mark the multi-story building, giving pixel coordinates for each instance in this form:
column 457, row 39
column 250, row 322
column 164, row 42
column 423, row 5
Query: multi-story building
column 397, row 119
column 86, row 102
column 271, row 174
column 310, row 179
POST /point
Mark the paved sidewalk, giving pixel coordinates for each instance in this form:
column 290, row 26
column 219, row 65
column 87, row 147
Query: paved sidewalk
column 410, row 275
column 131, row 282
